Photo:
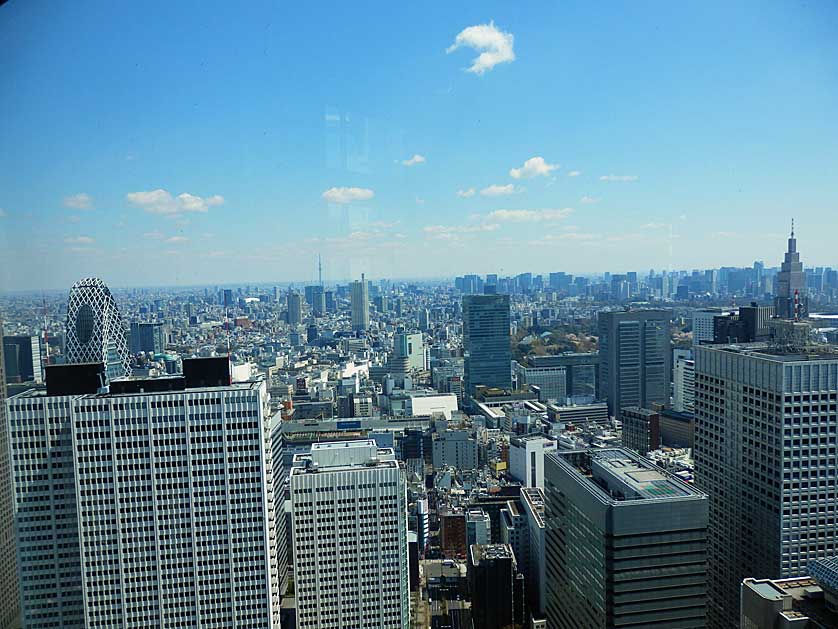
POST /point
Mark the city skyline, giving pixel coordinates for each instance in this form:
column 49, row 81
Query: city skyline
column 415, row 315
column 664, row 136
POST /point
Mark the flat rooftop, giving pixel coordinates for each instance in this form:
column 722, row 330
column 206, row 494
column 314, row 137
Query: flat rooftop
column 766, row 352
column 534, row 497
column 41, row 393
column 620, row 475
column 489, row 552
column 339, row 456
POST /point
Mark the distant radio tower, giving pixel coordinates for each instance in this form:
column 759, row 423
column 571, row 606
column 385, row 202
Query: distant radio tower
column 320, row 269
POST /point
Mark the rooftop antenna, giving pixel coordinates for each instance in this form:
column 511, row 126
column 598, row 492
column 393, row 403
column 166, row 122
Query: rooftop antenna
column 792, row 228
column 320, row 269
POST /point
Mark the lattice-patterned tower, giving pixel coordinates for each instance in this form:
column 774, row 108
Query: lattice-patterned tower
column 95, row 332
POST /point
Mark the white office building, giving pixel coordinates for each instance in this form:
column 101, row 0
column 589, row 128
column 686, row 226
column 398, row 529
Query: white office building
column 349, row 513
column 513, row 531
column 478, row 527
column 144, row 510
column 526, row 458
column 535, row 567
column 703, row 324
column 683, row 377
column 765, row 432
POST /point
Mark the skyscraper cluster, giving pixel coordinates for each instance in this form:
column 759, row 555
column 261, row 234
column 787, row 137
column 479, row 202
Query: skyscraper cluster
column 497, row 454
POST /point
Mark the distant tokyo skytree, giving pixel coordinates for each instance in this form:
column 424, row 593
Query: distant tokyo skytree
column 791, row 301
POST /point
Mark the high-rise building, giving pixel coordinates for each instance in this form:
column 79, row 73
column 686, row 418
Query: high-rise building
column 790, row 301
column 9, row 595
column 496, row 587
column 478, row 527
column 486, row 342
column 408, row 353
column 580, row 372
column 703, row 324
column 626, row 543
column 535, row 565
column 765, row 426
column 454, row 448
column 316, row 298
column 156, row 505
column 635, row 359
column 278, row 484
column 331, row 303
column 349, row 512
column 148, row 337
column 526, row 458
column 295, row 308
column 641, row 429
column 550, row 381
column 360, row 304
column 23, row 359
column 95, row 331
column 424, row 319
column 683, row 381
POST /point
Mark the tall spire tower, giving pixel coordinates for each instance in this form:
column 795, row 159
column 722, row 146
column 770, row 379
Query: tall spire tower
column 790, row 301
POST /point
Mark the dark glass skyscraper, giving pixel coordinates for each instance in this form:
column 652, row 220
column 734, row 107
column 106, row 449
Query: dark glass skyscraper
column 635, row 360
column 488, row 354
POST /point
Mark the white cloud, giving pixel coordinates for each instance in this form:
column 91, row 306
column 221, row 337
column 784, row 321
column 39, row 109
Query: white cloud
column 460, row 229
column 160, row 201
column 155, row 235
column 618, row 178
column 654, row 225
column 530, row 216
column 570, row 235
column 723, row 234
column 73, row 219
column 465, row 194
column 496, row 190
column 3, row 213
column 420, row 201
column 173, row 240
column 493, row 44
column 533, row 167
column 574, row 173
column 347, row 195
column 416, row 159
column 589, row 200
column 79, row 240
column 193, row 203
column 80, row 201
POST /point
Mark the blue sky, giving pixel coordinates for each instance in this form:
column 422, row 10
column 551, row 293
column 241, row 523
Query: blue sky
column 178, row 143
